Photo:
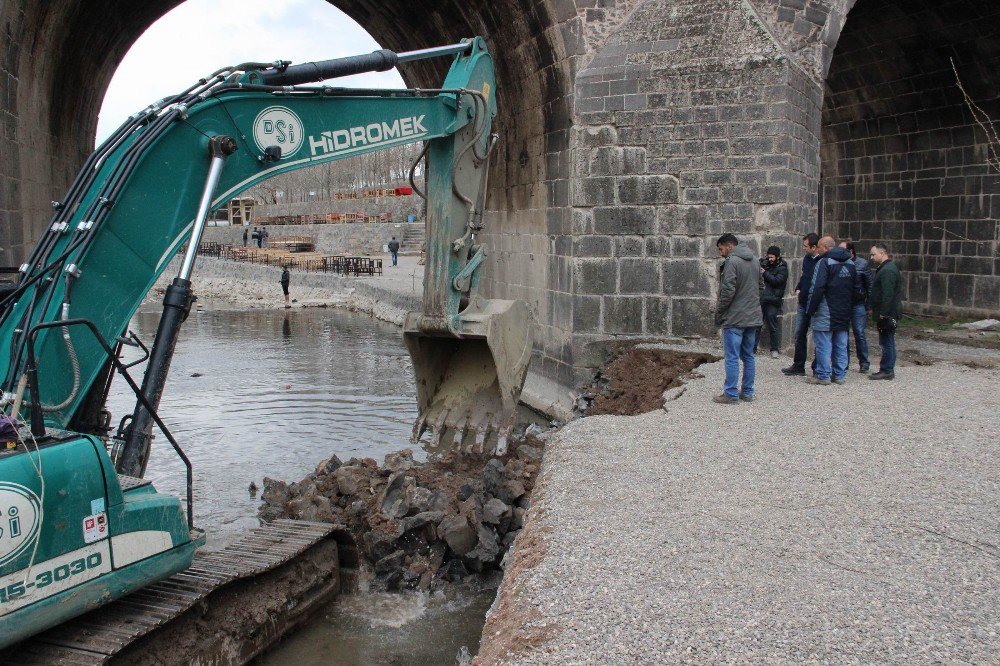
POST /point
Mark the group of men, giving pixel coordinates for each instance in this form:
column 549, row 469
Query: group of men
column 835, row 293
column 259, row 235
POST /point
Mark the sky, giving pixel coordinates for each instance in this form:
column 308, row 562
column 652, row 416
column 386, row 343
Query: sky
column 185, row 45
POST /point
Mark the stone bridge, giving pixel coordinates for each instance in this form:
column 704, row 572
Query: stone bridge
column 633, row 132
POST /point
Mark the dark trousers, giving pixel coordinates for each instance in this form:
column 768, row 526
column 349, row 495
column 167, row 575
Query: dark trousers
column 395, row 256
column 888, row 343
column 770, row 312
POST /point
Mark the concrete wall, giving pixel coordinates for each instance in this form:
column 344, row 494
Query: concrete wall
column 355, row 238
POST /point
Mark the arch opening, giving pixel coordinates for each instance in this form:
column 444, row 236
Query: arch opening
column 903, row 159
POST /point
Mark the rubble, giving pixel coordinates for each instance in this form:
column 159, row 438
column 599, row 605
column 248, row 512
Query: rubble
column 418, row 525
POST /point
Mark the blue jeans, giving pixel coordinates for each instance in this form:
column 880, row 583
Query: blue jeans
column 831, row 350
column 859, row 320
column 888, row 343
column 739, row 344
column 395, row 257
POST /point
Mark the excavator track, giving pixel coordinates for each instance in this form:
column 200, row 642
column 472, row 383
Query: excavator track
column 212, row 611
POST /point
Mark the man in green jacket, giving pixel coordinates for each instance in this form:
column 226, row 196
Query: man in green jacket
column 887, row 308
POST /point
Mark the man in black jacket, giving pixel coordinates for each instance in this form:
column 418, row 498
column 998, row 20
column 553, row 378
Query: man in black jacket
column 887, row 308
column 773, row 279
column 798, row 366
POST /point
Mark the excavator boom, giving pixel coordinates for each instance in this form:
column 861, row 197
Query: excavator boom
column 145, row 193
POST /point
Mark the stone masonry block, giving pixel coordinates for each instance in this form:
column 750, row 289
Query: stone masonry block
column 647, row 189
column 623, row 314
column 686, row 277
column 596, row 276
column 692, row 316
column 631, row 220
column 639, row 276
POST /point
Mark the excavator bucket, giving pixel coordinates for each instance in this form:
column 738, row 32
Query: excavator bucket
column 468, row 383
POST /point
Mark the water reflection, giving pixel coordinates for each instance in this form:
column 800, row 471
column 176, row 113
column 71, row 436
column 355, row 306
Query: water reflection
column 278, row 391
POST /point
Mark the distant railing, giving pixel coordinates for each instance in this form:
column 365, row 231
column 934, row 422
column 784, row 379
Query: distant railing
column 308, row 261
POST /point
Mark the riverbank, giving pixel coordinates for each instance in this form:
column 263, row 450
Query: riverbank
column 817, row 523
column 387, row 297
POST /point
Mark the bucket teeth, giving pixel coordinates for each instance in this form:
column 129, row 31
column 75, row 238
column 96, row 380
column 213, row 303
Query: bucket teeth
column 439, row 427
column 419, row 428
column 481, row 434
column 503, row 436
column 460, row 434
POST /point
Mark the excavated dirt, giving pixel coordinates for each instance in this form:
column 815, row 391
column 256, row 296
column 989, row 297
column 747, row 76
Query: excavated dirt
column 634, row 382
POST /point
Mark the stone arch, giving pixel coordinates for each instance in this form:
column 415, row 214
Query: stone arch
column 60, row 56
column 902, row 159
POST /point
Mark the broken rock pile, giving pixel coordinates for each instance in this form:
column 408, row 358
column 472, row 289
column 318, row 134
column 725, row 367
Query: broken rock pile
column 419, row 525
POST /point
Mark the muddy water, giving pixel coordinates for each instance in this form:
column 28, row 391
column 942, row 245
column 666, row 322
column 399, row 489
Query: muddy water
column 269, row 393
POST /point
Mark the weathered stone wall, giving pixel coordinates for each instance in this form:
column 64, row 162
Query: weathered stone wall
column 632, row 134
column 691, row 122
column 903, row 160
column 355, row 238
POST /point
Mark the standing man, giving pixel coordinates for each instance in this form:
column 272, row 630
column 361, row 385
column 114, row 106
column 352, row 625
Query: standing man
column 394, row 250
column 831, row 302
column 255, row 236
column 286, row 279
column 798, row 366
column 887, row 308
column 246, row 232
column 263, row 235
column 859, row 316
column 737, row 312
column 774, row 278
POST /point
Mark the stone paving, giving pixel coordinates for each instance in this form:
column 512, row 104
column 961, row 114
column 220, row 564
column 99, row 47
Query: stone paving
column 855, row 523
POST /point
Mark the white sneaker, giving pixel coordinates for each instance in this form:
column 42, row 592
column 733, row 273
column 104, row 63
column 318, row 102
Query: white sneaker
column 775, row 354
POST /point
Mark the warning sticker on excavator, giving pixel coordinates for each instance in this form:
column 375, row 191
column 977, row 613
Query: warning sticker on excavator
column 486, row 91
column 95, row 527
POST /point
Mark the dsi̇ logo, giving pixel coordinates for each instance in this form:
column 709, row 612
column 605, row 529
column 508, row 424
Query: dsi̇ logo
column 20, row 512
column 278, row 126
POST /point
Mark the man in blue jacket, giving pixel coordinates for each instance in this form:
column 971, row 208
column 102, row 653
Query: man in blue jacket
column 798, row 366
column 830, row 306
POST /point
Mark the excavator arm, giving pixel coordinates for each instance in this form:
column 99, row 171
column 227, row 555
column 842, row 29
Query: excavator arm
column 148, row 189
column 82, row 529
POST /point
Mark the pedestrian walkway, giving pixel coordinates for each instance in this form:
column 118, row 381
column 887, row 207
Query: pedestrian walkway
column 855, row 523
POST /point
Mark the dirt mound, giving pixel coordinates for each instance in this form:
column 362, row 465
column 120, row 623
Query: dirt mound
column 634, row 382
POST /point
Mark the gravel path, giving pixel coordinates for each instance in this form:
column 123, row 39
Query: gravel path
column 855, row 523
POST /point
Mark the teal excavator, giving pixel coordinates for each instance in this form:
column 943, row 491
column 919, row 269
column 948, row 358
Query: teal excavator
column 79, row 525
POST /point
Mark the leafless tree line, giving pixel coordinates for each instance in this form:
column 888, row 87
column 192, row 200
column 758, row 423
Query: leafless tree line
column 383, row 168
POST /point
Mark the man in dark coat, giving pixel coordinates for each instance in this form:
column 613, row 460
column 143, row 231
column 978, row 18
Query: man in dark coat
column 394, row 250
column 773, row 279
column 859, row 316
column 798, row 366
column 286, row 280
column 887, row 308
column 246, row 231
column 831, row 302
column 737, row 312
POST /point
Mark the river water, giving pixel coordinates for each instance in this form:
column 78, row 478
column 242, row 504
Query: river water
column 255, row 393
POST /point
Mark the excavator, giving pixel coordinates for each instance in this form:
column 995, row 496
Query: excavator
column 80, row 526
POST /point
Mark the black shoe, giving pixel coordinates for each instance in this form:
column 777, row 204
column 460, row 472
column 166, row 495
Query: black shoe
column 882, row 375
column 863, row 368
column 792, row 371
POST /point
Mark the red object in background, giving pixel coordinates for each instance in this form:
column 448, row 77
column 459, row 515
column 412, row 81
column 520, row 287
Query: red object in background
column 402, row 191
